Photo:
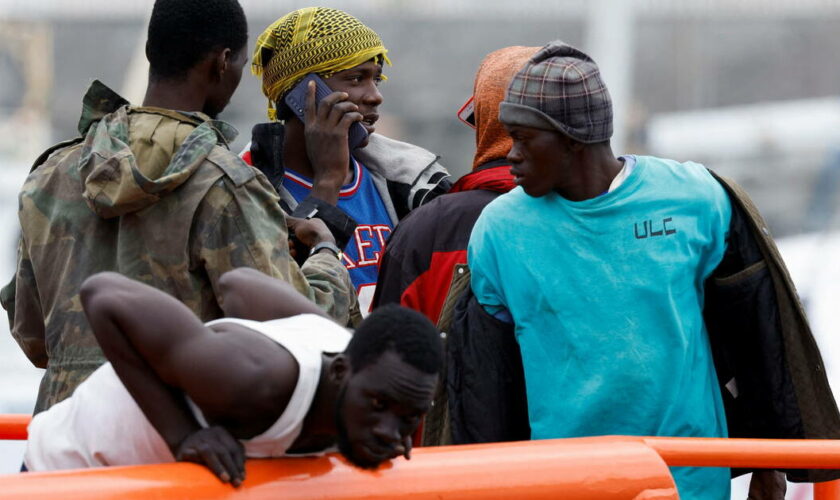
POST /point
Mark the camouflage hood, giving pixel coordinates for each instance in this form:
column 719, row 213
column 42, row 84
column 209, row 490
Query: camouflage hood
column 133, row 156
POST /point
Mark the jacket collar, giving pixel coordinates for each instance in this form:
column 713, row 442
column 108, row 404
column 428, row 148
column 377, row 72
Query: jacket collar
column 100, row 100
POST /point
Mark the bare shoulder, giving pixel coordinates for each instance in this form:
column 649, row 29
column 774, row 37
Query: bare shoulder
column 259, row 358
column 259, row 379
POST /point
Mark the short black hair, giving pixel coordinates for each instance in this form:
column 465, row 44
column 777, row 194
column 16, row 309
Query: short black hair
column 395, row 328
column 182, row 32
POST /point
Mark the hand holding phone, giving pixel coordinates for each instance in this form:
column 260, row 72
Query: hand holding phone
column 296, row 100
column 328, row 128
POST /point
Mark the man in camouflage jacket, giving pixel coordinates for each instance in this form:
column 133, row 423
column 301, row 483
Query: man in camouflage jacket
column 155, row 195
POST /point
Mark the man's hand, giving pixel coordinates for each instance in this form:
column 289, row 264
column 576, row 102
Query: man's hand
column 216, row 449
column 404, row 448
column 407, row 448
column 292, row 248
column 310, row 232
column 326, row 126
column 767, row 485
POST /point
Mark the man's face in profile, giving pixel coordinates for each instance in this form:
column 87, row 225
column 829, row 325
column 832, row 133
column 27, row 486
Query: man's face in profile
column 540, row 160
column 379, row 408
column 226, row 86
column 362, row 86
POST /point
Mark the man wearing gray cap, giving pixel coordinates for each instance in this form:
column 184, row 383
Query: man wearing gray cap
column 604, row 266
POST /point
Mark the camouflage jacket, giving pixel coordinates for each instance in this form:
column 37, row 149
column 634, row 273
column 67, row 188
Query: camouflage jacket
column 157, row 196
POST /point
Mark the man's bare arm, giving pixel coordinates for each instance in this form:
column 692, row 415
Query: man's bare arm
column 157, row 347
column 251, row 294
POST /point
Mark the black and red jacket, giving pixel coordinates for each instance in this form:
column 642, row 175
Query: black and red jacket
column 425, row 247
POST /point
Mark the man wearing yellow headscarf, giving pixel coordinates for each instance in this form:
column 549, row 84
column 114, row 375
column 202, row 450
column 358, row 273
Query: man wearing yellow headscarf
column 360, row 194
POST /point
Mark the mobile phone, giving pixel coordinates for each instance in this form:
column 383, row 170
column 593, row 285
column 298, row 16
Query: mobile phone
column 296, row 101
column 467, row 112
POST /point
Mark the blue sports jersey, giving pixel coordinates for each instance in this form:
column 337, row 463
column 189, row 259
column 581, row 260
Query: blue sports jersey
column 360, row 200
column 607, row 298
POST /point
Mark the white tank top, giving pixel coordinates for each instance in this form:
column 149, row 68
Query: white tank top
column 306, row 337
column 102, row 425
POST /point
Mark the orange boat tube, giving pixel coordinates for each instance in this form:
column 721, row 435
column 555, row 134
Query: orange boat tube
column 14, row 426
column 607, row 467
column 573, row 469
column 748, row 453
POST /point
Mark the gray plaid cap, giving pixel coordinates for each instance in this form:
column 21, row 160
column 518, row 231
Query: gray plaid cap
column 560, row 88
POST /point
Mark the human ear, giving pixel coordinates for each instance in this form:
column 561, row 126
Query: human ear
column 573, row 145
column 339, row 368
column 222, row 61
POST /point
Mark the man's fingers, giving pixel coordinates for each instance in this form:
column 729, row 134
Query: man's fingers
column 326, row 105
column 334, row 98
column 407, row 446
column 342, row 109
column 232, row 466
column 239, row 457
column 218, row 450
column 232, row 456
column 187, row 455
column 209, row 458
column 310, row 104
column 349, row 118
column 223, row 464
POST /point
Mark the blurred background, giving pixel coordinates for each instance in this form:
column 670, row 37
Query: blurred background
column 747, row 87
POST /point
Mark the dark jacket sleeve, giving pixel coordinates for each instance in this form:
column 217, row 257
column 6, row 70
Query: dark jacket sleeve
column 397, row 269
column 763, row 350
column 390, row 283
column 742, row 318
column 341, row 225
column 485, row 381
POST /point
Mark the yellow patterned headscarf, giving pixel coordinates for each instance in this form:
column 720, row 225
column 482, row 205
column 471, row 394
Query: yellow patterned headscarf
column 311, row 40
